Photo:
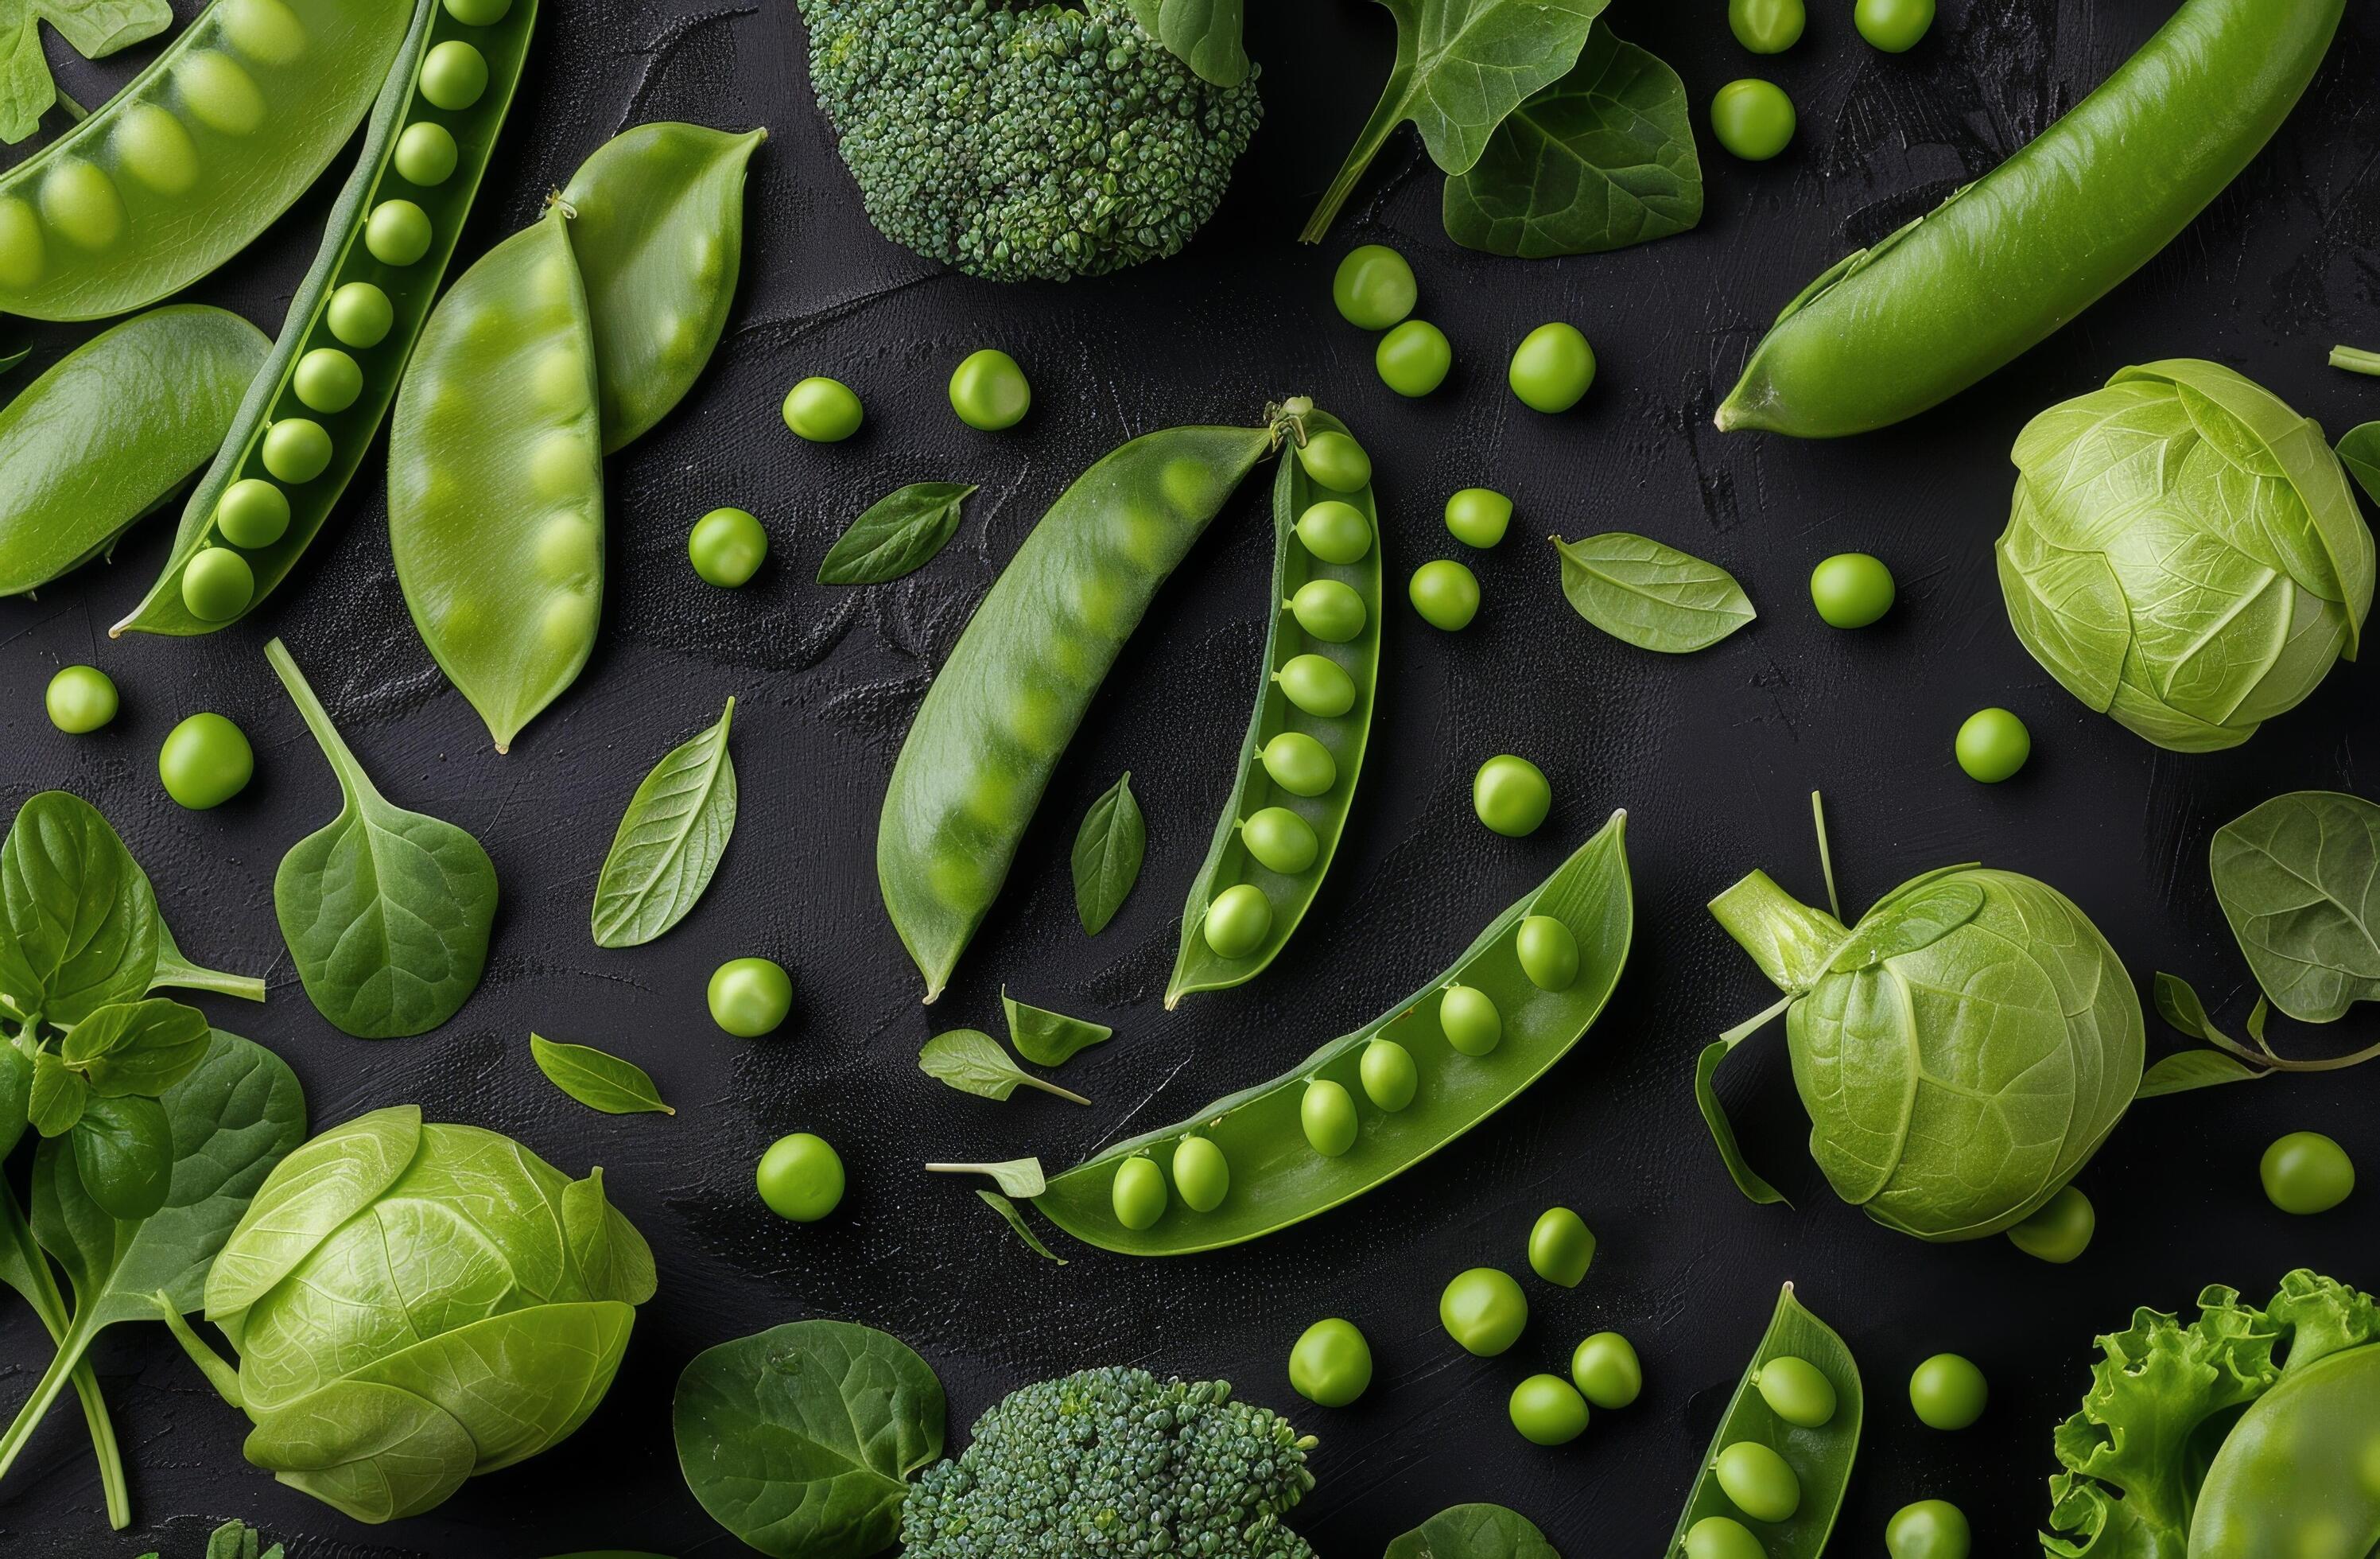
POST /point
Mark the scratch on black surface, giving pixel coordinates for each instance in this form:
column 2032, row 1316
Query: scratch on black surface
column 658, row 52
column 782, row 329
column 1117, row 1132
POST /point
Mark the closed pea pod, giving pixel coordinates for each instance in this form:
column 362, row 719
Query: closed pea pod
column 2300, row 1473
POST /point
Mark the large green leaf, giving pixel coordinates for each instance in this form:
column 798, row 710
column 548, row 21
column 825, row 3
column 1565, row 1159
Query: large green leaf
column 93, row 29
column 82, row 928
column 2299, row 879
column 1473, row 1532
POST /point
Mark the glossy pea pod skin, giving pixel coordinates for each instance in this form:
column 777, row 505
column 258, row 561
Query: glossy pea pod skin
column 1277, row 1177
column 1198, row 966
column 312, row 325
column 496, row 480
column 175, row 174
column 109, row 431
column 1003, row 707
column 1892, row 330
column 2300, row 1472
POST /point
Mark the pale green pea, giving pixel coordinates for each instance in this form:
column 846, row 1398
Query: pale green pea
column 1335, row 531
column 1374, row 286
column 1483, row 1309
column 1387, row 1074
column 1413, row 359
column 1547, row 1410
column 1479, row 516
column 1331, row 1364
column 1330, row 610
column 1279, row 840
column 398, row 233
column 1185, row 484
column 559, row 381
column 205, row 762
column 2060, row 1229
column 154, row 149
column 1201, row 1174
column 1328, row 1114
column 1760, row 1482
column 1299, row 764
column 79, row 699
column 220, row 93
column 1445, row 594
column 1947, row 1392
column 265, row 30
column 23, row 255
column 1468, row 1017
column 1038, row 720
column 1938, row 1530
column 1608, row 1371
column 1796, row 1391
column 80, row 202
column 479, row 13
column 1336, row 461
column 359, row 315
column 1138, row 1195
column 425, row 155
column 1560, row 1249
column 1548, row 952
column 1238, row 921
column 296, row 450
column 327, row 380
column 568, row 622
column 564, row 547
column 1317, row 685
column 454, row 74
column 823, row 411
column 557, row 463
column 1722, row 1537
column 252, row 513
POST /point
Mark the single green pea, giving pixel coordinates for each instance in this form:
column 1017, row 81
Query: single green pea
column 1547, row 1410
column 1552, row 368
column 1948, row 1392
column 1238, row 921
column 327, row 380
column 23, row 255
column 1413, row 359
column 1445, row 594
column 1468, row 1018
column 1894, row 26
column 1138, row 1194
column 1548, row 952
column 1766, row 27
column 1317, row 685
column 1560, row 1249
column 454, row 74
column 1327, row 1111
column 1299, row 764
column 296, row 450
column 1483, row 1309
column 1796, row 1391
column 1336, row 461
column 1279, row 840
column 1753, row 118
column 219, row 93
column 1607, row 1371
column 1928, row 1529
column 801, row 1177
column 989, row 390
column 1373, row 288
column 2060, row 1229
column 479, row 13
column 750, row 997
column 1851, row 589
column 1335, row 531
column 1330, row 610
column 359, row 315
column 81, row 699
column 1331, row 1364
column 217, row 584
column 398, row 233
column 1477, row 516
column 1201, row 1174
column 264, row 30
column 252, row 513
column 1758, row 1481
column 1387, row 1074
column 425, row 154
column 727, row 547
column 823, row 411
column 206, row 761
column 154, row 148
column 1511, row 795
column 2306, row 1173
column 1722, row 1537
column 81, row 203
column 1993, row 745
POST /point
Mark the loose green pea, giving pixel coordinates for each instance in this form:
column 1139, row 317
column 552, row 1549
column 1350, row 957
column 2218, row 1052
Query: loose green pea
column 296, row 450
column 1894, row 26
column 327, row 380
column 1331, row 1364
column 1547, row 1410
column 1608, row 1371
column 1722, row 1537
column 1335, row 531
column 206, row 761
column 750, row 997
column 801, row 1177
column 989, row 390
column 1993, row 745
column 1766, row 27
column 1477, row 516
column 217, row 584
column 1317, row 685
column 2306, row 1173
column 1758, row 1481
column 1299, row 764
column 1373, row 288
column 1238, row 921
column 1552, row 368
column 1851, row 589
column 252, row 513
column 1753, row 118
column 1388, row 1075
column 1330, row 610
column 1468, row 1018
column 2058, row 1230
column 1279, row 840
column 1948, row 1392
column 398, row 233
column 454, row 74
column 1928, row 1529
column 1413, row 359
column 1548, row 952
column 1328, row 1113
column 1796, row 1391
column 425, row 154
column 81, row 699
column 1138, row 1194
column 81, row 203
column 479, row 13
column 1483, row 1309
column 1336, row 461
column 823, row 411
column 1560, row 1249
column 359, row 315
column 1201, row 1174
column 1511, row 795
column 727, row 547
column 1445, row 594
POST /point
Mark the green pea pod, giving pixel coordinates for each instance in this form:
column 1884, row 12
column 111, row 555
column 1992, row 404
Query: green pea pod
column 496, row 480
column 1820, row 1457
column 314, row 335
column 111, row 431
column 985, row 741
column 1956, row 295
column 1198, row 966
column 228, row 126
column 659, row 232
column 2301, row 1471
column 1277, row 1178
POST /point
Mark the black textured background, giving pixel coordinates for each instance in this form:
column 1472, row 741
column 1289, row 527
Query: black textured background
column 1713, row 755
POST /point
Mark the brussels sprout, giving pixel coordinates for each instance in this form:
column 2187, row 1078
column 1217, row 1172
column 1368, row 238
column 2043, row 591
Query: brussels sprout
column 416, row 1303
column 2184, row 553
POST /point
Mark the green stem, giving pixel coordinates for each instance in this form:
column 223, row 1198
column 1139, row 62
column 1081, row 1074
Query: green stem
column 63, row 1365
column 50, row 1305
column 352, row 778
column 75, row 111
column 182, row 975
column 1790, row 941
column 2355, row 360
column 1825, row 856
column 1384, row 119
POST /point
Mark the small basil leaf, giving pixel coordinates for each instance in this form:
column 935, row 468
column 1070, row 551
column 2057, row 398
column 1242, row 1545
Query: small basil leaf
column 1108, row 849
column 899, row 534
column 669, row 842
column 2360, row 450
column 972, row 1062
column 56, row 1099
column 1046, row 1037
column 596, row 1080
column 138, row 1048
column 1473, row 1532
column 1649, row 595
column 1019, row 1178
column 1009, row 1210
column 123, row 1150
column 2195, row 1068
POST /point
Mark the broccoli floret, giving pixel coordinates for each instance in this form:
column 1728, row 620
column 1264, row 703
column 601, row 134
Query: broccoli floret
column 1114, row 1462
column 1046, row 142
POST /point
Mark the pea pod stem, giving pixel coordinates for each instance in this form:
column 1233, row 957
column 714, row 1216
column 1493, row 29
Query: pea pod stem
column 2355, row 360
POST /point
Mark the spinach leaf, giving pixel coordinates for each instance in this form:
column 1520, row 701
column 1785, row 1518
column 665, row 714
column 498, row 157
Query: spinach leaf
column 972, row 1062
column 124, row 1156
column 174, row 971
column 386, row 912
column 801, row 1440
column 57, row 1097
column 1019, row 1178
column 1602, row 159
column 26, row 1270
column 142, row 1047
column 1649, row 595
column 2177, row 1004
column 237, row 1540
column 1473, row 1532
column 899, row 534
column 1461, row 66
column 1203, row 34
column 670, row 841
column 1108, row 850
column 1009, row 1210
column 1046, row 1037
column 93, row 29
column 2299, row 879
column 596, row 1080
column 2360, row 450
column 82, row 928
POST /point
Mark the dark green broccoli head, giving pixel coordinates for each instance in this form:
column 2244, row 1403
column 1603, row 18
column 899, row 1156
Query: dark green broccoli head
column 1046, row 142
column 1114, row 1462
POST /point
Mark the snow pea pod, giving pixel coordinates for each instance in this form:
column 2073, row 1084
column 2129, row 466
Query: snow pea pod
column 988, row 736
column 1958, row 294
column 353, row 319
column 111, row 429
column 1284, row 856
column 496, row 480
column 2300, row 1473
column 175, row 175
column 1277, row 1177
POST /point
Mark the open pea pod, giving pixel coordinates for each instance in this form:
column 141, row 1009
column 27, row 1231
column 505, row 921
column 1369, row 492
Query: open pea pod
column 1271, row 837
column 352, row 325
column 1274, row 1174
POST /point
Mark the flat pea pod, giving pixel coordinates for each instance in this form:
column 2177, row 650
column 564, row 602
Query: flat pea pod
column 352, row 321
column 1279, row 1179
column 657, row 227
column 496, row 480
column 1753, row 1439
column 986, row 739
column 1338, row 717
column 111, row 429
column 175, row 174
column 2300, row 1473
